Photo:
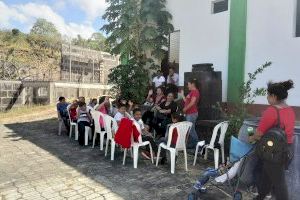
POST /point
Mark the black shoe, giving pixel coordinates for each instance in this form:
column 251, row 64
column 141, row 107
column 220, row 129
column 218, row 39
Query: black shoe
column 163, row 161
column 81, row 143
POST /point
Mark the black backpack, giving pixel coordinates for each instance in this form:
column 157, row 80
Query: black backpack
column 273, row 146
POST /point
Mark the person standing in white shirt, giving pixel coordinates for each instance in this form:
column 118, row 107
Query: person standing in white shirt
column 159, row 79
column 173, row 77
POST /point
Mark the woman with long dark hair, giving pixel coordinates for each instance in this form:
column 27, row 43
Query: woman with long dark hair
column 163, row 114
column 157, row 100
column 271, row 174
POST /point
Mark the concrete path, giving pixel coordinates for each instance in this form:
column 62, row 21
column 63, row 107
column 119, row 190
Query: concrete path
column 35, row 163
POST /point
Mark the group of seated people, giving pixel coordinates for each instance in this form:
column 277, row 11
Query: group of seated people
column 154, row 116
column 78, row 112
column 164, row 104
column 162, row 109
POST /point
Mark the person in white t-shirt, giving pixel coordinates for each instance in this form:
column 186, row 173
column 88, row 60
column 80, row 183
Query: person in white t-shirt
column 121, row 113
column 82, row 99
column 173, row 77
column 159, row 79
column 144, row 130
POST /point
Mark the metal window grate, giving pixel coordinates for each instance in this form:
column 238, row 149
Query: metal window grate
column 174, row 47
column 219, row 6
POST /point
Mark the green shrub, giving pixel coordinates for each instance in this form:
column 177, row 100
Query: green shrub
column 238, row 112
column 130, row 81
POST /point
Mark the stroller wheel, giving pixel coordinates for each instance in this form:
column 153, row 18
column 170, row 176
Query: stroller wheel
column 237, row 196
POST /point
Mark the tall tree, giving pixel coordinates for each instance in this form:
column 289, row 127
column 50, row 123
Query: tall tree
column 79, row 41
column 137, row 28
column 45, row 28
column 96, row 42
column 138, row 31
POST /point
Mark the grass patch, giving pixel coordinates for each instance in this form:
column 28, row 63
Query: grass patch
column 25, row 110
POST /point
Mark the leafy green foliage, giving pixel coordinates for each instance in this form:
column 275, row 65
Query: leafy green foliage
column 15, row 31
column 238, row 113
column 96, row 42
column 130, row 79
column 138, row 28
column 26, row 55
column 45, row 28
column 138, row 31
column 38, row 54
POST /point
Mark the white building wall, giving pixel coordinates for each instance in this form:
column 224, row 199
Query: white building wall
column 204, row 37
column 271, row 37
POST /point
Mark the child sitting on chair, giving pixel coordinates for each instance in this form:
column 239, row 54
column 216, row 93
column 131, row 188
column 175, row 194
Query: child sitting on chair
column 84, row 119
column 73, row 110
column 121, row 113
column 62, row 112
column 144, row 130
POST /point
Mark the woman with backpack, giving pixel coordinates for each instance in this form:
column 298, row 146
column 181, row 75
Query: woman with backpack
column 281, row 118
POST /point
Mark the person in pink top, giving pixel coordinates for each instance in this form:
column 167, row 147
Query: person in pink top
column 191, row 110
column 103, row 108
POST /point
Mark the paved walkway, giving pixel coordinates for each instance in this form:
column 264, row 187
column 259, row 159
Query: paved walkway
column 35, row 163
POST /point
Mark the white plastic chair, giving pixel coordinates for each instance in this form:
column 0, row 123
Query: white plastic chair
column 135, row 146
column 72, row 124
column 200, row 144
column 183, row 129
column 111, row 127
column 96, row 116
column 87, row 134
column 60, row 124
column 222, row 128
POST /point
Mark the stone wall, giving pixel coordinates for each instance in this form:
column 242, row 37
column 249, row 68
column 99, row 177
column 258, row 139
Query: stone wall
column 73, row 90
column 10, row 93
column 17, row 93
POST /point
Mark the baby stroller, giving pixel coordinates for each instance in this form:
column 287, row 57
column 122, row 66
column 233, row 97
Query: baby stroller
column 238, row 174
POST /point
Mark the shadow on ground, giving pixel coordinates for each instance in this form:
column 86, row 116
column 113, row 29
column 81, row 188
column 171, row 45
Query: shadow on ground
column 146, row 182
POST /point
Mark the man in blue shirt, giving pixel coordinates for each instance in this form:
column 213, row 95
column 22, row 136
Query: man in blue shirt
column 62, row 111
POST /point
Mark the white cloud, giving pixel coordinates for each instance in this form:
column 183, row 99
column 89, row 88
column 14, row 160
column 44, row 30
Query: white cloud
column 59, row 5
column 92, row 8
column 7, row 14
column 26, row 14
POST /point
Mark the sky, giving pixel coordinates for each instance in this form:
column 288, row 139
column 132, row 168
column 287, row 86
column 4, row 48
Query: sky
column 71, row 17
